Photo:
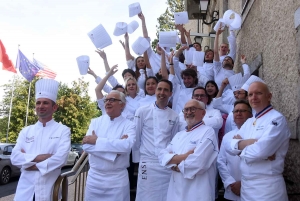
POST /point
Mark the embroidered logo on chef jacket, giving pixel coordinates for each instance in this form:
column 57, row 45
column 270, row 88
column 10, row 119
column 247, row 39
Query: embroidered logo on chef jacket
column 260, row 127
column 144, row 170
column 210, row 116
column 171, row 122
column 51, row 138
column 274, row 123
column 29, row 139
column 137, row 117
column 193, row 142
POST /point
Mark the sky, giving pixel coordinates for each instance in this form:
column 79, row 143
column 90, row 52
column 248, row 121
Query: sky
column 56, row 32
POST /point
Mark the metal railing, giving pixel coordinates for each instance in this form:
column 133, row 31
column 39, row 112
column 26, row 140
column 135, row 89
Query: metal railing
column 79, row 173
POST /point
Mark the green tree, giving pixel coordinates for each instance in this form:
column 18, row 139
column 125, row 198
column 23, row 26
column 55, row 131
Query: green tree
column 166, row 20
column 75, row 108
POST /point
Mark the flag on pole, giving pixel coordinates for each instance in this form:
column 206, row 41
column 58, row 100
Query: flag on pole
column 6, row 62
column 44, row 72
column 26, row 67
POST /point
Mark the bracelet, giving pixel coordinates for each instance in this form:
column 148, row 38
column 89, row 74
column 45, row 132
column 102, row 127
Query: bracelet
column 171, row 64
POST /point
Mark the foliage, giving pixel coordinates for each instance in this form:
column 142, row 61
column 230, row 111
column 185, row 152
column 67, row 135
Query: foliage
column 75, row 108
column 166, row 20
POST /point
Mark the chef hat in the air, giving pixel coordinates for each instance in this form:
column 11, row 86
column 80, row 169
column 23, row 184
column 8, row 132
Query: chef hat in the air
column 181, row 17
column 252, row 79
column 134, row 9
column 198, row 58
column 188, row 55
column 100, row 37
column 120, row 28
column 140, row 45
column 83, row 63
column 46, row 88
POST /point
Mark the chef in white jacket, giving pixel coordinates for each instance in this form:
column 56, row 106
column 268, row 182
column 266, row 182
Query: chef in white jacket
column 228, row 165
column 262, row 144
column 108, row 142
column 156, row 124
column 41, row 149
column 192, row 156
column 212, row 117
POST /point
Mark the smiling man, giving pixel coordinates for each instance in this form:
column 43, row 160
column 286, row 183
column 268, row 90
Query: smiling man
column 108, row 141
column 41, row 149
column 192, row 155
column 262, row 144
column 156, row 124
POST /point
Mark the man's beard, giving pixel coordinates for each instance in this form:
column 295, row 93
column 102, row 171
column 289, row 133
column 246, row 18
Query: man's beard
column 228, row 66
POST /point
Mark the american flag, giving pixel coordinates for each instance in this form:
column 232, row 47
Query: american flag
column 45, row 72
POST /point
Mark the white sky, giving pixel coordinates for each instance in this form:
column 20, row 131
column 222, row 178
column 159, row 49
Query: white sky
column 56, row 32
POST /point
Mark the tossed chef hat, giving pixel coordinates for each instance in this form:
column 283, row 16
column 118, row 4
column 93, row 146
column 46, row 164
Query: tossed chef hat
column 134, row 9
column 46, row 88
column 120, row 29
column 100, row 37
column 181, row 17
column 83, row 63
column 198, row 58
column 188, row 55
column 236, row 81
column 140, row 45
column 252, row 79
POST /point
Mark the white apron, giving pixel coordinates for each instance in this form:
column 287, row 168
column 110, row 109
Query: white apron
column 264, row 189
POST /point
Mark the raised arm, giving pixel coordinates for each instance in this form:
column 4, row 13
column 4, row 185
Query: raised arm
column 98, row 89
column 182, row 33
column 102, row 54
column 163, row 67
column 127, row 49
column 225, row 82
column 188, row 36
column 144, row 28
column 216, row 45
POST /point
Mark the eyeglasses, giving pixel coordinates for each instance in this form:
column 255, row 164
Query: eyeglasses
column 240, row 111
column 238, row 92
column 191, row 109
column 199, row 95
column 111, row 100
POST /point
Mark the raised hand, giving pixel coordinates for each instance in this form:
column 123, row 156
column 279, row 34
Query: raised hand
column 141, row 16
column 101, row 53
column 243, row 58
column 113, row 70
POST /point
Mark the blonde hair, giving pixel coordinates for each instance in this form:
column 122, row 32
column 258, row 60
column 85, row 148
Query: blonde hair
column 134, row 80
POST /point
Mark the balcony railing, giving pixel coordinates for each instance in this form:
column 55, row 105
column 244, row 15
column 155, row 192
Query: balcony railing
column 79, row 173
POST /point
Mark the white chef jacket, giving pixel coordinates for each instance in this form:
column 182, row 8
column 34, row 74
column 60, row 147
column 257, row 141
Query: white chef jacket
column 109, row 157
column 54, row 139
column 196, row 179
column 229, row 166
column 207, row 70
column 147, row 100
column 212, row 118
column 272, row 134
column 155, row 128
column 181, row 94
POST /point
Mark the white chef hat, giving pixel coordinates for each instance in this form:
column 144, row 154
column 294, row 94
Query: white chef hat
column 120, row 28
column 132, row 26
column 134, row 9
column 252, row 79
column 188, row 55
column 236, row 81
column 140, row 45
column 181, row 17
column 168, row 38
column 100, row 37
column 46, row 88
column 83, row 63
column 198, row 58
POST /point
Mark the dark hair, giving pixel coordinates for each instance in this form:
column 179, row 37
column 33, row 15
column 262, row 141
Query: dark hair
column 148, row 78
column 197, row 43
column 53, row 103
column 202, row 88
column 181, row 58
column 118, row 86
column 243, row 102
column 159, row 77
column 128, row 71
column 190, row 72
column 168, row 82
column 137, row 70
column 217, row 88
column 230, row 58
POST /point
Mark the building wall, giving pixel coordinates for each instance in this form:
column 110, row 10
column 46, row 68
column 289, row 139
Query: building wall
column 268, row 28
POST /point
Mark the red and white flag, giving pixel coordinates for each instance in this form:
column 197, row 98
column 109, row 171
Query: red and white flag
column 45, row 72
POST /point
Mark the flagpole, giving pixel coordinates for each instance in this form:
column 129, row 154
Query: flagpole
column 28, row 99
column 10, row 107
